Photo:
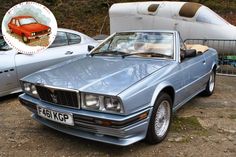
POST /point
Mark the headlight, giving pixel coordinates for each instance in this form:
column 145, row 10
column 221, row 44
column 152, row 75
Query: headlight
column 101, row 103
column 30, row 89
column 32, row 34
column 26, row 87
column 91, row 101
column 112, row 104
column 49, row 29
column 34, row 90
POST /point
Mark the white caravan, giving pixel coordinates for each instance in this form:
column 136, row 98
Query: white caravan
column 192, row 20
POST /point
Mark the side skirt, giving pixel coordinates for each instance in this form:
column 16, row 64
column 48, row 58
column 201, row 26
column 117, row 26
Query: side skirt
column 188, row 99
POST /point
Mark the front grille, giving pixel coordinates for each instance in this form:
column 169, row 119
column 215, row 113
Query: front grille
column 58, row 96
column 41, row 32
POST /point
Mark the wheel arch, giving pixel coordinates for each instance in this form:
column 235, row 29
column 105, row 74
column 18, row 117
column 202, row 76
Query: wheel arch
column 214, row 67
column 164, row 87
column 215, row 61
column 25, row 33
column 22, row 35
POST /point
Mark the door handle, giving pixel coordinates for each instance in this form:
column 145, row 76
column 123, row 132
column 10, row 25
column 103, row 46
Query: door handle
column 204, row 62
column 69, row 52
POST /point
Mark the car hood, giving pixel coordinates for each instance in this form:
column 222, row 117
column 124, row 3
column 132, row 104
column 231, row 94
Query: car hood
column 104, row 75
column 35, row 27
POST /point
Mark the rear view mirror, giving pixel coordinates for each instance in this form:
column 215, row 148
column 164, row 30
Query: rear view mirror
column 90, row 47
column 188, row 53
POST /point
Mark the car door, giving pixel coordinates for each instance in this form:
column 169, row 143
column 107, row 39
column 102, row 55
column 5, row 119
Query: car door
column 193, row 70
column 56, row 53
column 75, row 47
column 8, row 75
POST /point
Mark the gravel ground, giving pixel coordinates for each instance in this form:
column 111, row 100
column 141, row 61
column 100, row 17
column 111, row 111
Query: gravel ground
column 206, row 126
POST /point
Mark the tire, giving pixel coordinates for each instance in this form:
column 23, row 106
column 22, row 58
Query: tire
column 210, row 84
column 25, row 39
column 157, row 133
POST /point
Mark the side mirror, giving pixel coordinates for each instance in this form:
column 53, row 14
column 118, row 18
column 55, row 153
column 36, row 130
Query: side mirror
column 188, row 53
column 90, row 47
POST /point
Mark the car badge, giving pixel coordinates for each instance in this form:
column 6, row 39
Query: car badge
column 54, row 98
column 53, row 95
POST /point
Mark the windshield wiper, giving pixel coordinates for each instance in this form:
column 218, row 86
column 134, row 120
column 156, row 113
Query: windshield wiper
column 153, row 54
column 109, row 52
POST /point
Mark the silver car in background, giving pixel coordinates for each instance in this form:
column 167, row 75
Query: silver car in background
column 67, row 45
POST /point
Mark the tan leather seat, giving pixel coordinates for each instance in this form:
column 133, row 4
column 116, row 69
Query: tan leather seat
column 199, row 48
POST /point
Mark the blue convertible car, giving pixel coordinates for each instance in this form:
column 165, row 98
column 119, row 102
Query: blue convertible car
column 125, row 90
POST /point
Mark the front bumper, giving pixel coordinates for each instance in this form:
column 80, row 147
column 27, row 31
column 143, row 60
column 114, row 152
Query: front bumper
column 122, row 135
column 39, row 36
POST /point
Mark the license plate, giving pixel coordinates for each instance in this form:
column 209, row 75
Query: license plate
column 64, row 118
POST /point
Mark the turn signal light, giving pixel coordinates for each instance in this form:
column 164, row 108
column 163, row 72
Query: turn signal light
column 103, row 122
column 143, row 116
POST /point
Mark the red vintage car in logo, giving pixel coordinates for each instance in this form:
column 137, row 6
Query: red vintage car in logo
column 28, row 28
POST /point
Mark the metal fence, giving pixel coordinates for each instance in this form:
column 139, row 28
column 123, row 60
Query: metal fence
column 226, row 52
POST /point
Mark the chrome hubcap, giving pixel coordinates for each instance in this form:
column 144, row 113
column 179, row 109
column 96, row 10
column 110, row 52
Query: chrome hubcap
column 162, row 119
column 24, row 38
column 212, row 81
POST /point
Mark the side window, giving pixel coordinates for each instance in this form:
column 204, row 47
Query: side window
column 189, row 9
column 13, row 21
column 73, row 38
column 17, row 23
column 148, row 9
column 153, row 8
column 60, row 40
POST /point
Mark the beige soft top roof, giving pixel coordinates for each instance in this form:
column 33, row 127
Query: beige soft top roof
column 199, row 48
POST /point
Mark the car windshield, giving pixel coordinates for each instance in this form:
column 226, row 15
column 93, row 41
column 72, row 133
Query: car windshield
column 26, row 21
column 141, row 44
